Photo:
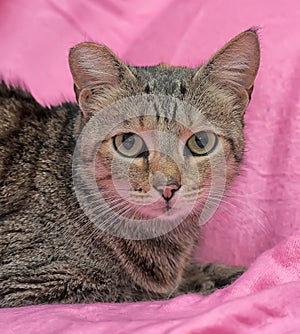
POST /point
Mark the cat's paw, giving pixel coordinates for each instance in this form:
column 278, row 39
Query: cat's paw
column 206, row 278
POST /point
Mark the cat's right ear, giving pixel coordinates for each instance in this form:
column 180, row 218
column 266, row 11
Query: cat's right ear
column 94, row 66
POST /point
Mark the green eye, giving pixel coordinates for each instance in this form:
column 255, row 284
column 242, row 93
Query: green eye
column 129, row 145
column 202, row 143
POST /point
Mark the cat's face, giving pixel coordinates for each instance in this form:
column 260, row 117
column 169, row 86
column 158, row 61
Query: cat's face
column 163, row 168
column 181, row 142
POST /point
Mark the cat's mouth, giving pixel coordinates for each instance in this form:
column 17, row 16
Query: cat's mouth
column 150, row 207
column 167, row 208
column 160, row 210
column 163, row 212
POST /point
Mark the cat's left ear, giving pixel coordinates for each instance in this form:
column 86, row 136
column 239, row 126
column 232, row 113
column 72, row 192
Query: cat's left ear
column 235, row 65
column 95, row 66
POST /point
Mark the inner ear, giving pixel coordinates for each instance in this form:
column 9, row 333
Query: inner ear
column 235, row 65
column 93, row 65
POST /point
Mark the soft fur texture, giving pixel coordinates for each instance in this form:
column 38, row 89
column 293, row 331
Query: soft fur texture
column 52, row 252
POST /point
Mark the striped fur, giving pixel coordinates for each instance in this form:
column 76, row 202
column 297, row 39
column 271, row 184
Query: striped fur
column 50, row 251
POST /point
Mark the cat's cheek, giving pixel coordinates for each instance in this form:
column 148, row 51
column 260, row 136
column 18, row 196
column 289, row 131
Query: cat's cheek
column 138, row 175
column 102, row 168
column 234, row 156
column 232, row 171
column 202, row 170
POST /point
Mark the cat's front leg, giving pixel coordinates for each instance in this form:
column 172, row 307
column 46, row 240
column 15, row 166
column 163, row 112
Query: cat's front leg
column 206, row 278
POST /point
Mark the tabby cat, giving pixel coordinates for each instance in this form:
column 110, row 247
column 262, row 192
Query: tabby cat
column 167, row 136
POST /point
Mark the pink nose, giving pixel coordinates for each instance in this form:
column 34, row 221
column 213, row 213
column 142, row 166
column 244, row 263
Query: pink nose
column 167, row 191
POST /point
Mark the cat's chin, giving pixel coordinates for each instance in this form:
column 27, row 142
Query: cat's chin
column 163, row 212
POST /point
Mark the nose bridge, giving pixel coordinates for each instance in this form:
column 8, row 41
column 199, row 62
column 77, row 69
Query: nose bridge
column 164, row 169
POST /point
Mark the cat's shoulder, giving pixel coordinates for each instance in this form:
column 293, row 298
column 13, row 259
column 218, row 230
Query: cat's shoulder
column 10, row 91
column 18, row 105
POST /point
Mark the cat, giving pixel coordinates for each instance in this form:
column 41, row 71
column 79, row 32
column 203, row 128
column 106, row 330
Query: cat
column 59, row 241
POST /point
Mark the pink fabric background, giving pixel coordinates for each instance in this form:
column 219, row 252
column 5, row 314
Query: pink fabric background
column 263, row 212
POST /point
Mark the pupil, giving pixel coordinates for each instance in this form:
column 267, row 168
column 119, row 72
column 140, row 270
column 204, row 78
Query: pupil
column 128, row 141
column 202, row 139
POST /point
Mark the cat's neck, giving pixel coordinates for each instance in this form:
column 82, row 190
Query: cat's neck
column 157, row 264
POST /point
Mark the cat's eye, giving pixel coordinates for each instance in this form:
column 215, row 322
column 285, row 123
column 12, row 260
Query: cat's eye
column 202, row 143
column 129, row 145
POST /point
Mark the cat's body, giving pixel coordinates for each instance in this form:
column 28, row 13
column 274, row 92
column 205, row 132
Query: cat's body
column 51, row 252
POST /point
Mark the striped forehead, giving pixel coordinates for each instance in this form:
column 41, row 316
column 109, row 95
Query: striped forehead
column 164, row 79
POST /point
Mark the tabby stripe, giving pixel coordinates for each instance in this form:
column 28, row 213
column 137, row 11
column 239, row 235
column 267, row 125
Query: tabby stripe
column 236, row 158
column 174, row 111
column 156, row 108
column 141, row 121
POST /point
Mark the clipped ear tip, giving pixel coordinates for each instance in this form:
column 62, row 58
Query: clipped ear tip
column 90, row 52
column 94, row 64
column 87, row 47
column 80, row 49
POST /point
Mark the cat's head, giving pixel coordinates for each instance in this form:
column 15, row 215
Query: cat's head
column 178, row 130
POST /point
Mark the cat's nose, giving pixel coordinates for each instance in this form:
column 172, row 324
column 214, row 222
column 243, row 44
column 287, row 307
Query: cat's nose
column 167, row 191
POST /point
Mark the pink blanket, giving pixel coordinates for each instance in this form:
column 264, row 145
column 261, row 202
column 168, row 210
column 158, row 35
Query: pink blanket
column 263, row 213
